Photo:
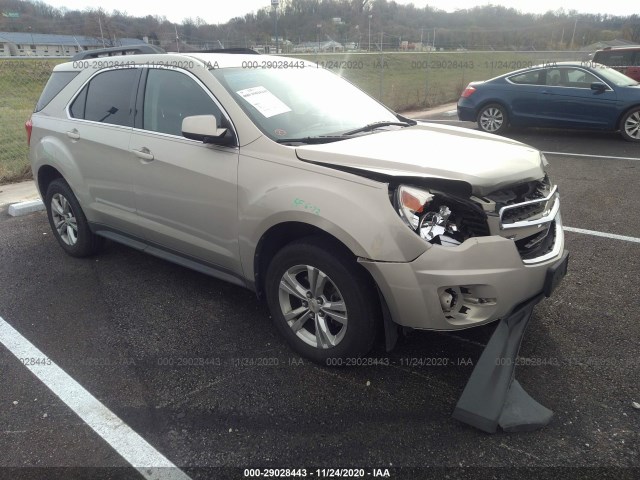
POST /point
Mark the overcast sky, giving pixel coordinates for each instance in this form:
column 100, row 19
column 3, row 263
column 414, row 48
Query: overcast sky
column 220, row 11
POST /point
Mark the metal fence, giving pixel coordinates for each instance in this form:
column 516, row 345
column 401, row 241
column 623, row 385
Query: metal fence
column 21, row 82
column 402, row 80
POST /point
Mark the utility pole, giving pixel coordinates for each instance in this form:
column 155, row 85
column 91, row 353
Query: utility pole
column 274, row 4
column 381, row 66
column 177, row 38
column 370, row 32
column 574, row 33
column 101, row 34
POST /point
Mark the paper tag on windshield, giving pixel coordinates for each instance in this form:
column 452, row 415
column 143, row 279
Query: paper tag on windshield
column 264, row 101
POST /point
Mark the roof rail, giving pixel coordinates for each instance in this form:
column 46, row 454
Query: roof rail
column 246, row 51
column 109, row 52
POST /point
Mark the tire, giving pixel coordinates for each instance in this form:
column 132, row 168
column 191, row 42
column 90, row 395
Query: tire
column 630, row 125
column 493, row 118
column 68, row 222
column 337, row 321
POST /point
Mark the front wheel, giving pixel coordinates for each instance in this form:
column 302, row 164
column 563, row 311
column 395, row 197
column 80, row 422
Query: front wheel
column 630, row 125
column 321, row 301
column 493, row 118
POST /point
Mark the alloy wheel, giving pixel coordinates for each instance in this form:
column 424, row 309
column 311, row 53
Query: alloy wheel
column 313, row 306
column 491, row 119
column 64, row 219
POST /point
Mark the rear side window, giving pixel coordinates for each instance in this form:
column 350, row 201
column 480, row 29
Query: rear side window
column 108, row 98
column 57, row 81
column 527, row 78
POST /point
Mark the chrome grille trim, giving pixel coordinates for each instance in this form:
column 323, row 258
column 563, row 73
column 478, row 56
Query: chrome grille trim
column 550, row 210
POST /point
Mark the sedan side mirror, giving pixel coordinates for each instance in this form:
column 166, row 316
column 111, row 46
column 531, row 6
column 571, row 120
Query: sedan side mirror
column 598, row 86
column 204, row 128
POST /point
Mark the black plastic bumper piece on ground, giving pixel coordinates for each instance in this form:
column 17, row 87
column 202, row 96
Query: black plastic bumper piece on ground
column 492, row 396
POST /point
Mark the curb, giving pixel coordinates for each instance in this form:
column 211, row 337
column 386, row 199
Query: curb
column 24, row 208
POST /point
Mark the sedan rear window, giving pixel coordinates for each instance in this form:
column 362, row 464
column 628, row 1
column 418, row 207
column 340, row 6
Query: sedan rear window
column 527, row 78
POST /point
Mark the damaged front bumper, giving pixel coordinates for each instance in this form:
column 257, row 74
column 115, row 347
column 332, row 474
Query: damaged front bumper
column 493, row 397
column 482, row 280
column 451, row 288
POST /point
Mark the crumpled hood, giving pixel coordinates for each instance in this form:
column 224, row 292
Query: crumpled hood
column 487, row 162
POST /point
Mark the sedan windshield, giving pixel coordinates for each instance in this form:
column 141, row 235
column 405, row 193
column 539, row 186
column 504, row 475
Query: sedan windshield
column 304, row 103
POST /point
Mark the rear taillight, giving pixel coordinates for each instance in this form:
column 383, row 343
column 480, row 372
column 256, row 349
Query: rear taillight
column 28, row 127
column 468, row 91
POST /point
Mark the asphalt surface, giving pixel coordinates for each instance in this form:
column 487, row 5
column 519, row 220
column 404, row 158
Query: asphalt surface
column 196, row 368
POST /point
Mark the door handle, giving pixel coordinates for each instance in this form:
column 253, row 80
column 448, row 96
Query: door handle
column 73, row 134
column 144, row 153
column 546, row 92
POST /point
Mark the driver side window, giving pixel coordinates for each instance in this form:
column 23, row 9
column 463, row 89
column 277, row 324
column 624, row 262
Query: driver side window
column 169, row 97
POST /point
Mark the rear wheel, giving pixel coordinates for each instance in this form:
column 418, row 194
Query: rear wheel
column 321, row 301
column 68, row 222
column 493, row 118
column 630, row 125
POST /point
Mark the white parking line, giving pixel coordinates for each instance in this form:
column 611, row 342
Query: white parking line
column 132, row 447
column 602, row 234
column 593, row 156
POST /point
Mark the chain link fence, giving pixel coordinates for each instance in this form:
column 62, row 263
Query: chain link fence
column 418, row 80
column 21, row 82
column 402, row 80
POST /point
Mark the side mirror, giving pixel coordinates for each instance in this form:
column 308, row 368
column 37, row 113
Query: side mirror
column 598, row 86
column 204, row 128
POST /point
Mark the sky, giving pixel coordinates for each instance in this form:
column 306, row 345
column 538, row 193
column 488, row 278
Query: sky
column 221, row 11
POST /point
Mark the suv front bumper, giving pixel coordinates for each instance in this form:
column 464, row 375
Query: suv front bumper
column 477, row 282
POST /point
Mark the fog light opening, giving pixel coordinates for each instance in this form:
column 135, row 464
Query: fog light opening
column 448, row 300
column 467, row 303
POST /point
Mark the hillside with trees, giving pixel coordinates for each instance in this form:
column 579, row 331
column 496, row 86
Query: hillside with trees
column 486, row 27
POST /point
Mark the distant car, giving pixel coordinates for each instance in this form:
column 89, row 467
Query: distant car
column 583, row 95
column 623, row 59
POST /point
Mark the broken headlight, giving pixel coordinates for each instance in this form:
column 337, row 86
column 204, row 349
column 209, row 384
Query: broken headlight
column 431, row 215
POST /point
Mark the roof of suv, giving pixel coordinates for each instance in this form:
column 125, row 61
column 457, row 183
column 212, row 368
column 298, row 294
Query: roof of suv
column 184, row 60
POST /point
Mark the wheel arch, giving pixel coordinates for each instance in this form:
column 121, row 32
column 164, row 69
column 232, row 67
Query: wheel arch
column 282, row 234
column 618, row 125
column 45, row 175
column 500, row 102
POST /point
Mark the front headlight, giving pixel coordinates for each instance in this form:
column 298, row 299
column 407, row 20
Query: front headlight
column 429, row 215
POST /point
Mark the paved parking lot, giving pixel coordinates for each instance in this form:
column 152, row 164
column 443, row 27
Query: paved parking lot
column 199, row 377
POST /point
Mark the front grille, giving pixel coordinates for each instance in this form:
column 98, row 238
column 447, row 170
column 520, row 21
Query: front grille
column 522, row 213
column 521, row 193
column 523, row 207
column 538, row 244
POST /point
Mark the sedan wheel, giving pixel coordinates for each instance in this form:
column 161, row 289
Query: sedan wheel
column 493, row 119
column 630, row 126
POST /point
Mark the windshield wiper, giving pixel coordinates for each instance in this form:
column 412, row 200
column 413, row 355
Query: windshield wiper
column 374, row 125
column 312, row 140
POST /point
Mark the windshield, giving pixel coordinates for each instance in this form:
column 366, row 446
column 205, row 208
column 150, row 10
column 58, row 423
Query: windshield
column 614, row 76
column 299, row 103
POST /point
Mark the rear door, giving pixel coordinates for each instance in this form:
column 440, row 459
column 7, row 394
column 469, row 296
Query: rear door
column 98, row 135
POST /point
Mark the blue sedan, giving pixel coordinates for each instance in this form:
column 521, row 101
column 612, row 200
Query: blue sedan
column 581, row 95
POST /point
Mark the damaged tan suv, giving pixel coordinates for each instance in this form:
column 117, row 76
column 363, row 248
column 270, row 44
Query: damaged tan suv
column 281, row 177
